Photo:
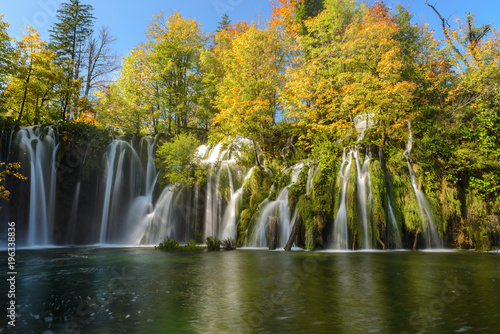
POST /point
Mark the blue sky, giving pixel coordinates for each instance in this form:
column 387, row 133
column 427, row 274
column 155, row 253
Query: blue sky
column 128, row 19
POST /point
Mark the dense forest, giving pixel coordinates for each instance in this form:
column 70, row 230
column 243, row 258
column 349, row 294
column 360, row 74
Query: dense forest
column 322, row 81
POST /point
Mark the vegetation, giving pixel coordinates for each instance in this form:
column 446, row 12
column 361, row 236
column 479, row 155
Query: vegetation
column 228, row 244
column 298, row 88
column 168, row 245
column 172, row 245
column 213, row 244
column 5, row 170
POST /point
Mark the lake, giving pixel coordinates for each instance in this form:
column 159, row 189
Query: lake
column 142, row 290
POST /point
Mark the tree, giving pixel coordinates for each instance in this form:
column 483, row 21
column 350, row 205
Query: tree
column 5, row 170
column 5, row 52
column 68, row 37
column 100, row 60
column 132, row 104
column 176, row 43
column 312, row 94
column 224, row 23
column 248, row 96
column 178, row 162
column 33, row 76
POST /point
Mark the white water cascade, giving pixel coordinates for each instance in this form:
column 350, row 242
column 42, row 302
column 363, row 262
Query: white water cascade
column 230, row 218
column 431, row 233
column 278, row 208
column 340, row 235
column 365, row 196
column 40, row 146
column 127, row 184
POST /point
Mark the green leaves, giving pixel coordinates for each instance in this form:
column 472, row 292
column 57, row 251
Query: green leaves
column 177, row 161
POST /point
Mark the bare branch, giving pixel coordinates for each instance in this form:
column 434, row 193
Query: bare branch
column 446, row 33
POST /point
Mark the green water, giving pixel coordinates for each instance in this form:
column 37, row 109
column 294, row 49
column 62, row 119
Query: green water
column 137, row 290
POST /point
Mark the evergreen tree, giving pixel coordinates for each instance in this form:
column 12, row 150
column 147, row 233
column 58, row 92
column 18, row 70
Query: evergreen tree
column 308, row 9
column 224, row 23
column 68, row 37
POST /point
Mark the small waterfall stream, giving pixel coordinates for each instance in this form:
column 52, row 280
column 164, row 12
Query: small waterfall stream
column 431, row 234
column 340, row 235
column 278, row 208
column 365, row 196
column 40, row 146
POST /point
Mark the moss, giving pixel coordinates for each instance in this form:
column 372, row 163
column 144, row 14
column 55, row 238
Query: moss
column 450, row 202
column 298, row 189
column 380, row 205
column 353, row 221
column 401, row 191
column 245, row 217
column 306, row 210
column 483, row 220
column 255, row 191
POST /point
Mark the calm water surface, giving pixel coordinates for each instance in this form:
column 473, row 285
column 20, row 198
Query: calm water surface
column 140, row 290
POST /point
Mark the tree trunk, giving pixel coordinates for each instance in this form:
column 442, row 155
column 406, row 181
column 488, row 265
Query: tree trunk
column 383, row 245
column 415, row 241
column 273, row 233
column 255, row 153
column 295, row 232
column 25, row 94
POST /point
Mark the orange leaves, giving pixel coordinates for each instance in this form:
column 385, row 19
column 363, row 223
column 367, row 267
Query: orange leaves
column 252, row 63
column 284, row 16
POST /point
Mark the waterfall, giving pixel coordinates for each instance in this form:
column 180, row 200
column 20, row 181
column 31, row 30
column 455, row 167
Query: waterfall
column 230, row 218
column 41, row 147
column 212, row 207
column 278, row 208
column 222, row 212
column 128, row 184
column 340, row 237
column 365, row 196
column 431, row 233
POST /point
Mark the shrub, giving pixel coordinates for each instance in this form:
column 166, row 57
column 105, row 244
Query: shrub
column 213, row 244
column 168, row 245
column 228, row 244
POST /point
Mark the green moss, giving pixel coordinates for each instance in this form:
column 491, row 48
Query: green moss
column 298, row 189
column 379, row 209
column 307, row 212
column 191, row 246
column 405, row 203
column 255, row 191
column 245, row 217
column 353, row 221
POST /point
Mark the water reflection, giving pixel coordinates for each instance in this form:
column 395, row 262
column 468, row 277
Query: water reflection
column 93, row 290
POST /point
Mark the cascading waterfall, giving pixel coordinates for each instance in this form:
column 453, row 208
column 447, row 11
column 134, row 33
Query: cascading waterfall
column 130, row 208
column 340, row 236
column 365, row 196
column 278, row 208
column 127, row 184
column 230, row 218
column 41, row 147
column 212, row 199
column 431, row 234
